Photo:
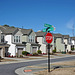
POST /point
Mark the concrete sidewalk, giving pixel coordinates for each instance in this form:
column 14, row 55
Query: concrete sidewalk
column 27, row 60
column 36, row 68
column 20, row 71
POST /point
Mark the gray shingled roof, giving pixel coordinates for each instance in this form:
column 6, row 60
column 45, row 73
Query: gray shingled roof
column 73, row 38
column 11, row 30
column 57, row 35
column 40, row 34
column 26, row 31
column 66, row 36
column 8, row 30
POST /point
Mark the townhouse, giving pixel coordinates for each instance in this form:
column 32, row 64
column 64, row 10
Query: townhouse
column 15, row 40
column 3, row 44
column 41, row 40
column 29, row 37
column 18, row 40
column 58, row 43
column 72, row 42
column 13, row 37
column 67, row 42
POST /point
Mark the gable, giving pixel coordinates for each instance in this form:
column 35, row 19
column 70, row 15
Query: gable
column 18, row 33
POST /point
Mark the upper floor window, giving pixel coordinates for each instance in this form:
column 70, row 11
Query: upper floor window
column 2, row 38
column 31, row 38
column 16, row 39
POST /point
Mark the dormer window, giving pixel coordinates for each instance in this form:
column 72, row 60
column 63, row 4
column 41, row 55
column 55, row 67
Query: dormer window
column 31, row 38
column 16, row 39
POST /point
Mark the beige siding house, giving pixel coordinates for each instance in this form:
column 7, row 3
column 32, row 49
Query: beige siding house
column 67, row 42
column 28, row 37
column 58, row 43
column 41, row 40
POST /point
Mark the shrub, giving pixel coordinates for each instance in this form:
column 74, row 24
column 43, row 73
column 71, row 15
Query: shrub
column 39, row 51
column 54, row 51
column 44, row 53
column 21, row 55
column 72, row 49
column 25, row 52
column 69, row 52
column 35, row 54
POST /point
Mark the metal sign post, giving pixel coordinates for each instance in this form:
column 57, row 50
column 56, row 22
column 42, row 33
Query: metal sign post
column 49, row 39
column 48, row 57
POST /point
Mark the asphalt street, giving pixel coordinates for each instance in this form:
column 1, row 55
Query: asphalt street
column 9, row 69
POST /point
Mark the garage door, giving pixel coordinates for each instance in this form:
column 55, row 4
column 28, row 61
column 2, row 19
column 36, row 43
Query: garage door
column 20, row 51
column 1, row 52
column 34, row 49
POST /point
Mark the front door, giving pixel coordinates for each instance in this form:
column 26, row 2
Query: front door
column 6, row 52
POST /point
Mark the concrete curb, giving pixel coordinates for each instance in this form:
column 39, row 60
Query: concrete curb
column 27, row 60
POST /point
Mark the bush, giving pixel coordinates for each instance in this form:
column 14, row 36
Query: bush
column 69, row 52
column 39, row 51
column 54, row 51
column 21, row 55
column 72, row 49
column 35, row 54
column 25, row 52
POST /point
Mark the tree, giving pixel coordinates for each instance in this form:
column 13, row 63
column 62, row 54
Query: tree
column 6, row 25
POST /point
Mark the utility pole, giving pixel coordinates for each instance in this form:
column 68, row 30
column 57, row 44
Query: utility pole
column 73, row 30
column 22, row 27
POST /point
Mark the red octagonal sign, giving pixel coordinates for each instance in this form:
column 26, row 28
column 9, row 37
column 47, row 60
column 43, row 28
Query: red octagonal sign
column 49, row 38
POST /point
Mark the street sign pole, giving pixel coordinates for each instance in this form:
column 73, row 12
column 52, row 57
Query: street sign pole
column 48, row 57
column 48, row 39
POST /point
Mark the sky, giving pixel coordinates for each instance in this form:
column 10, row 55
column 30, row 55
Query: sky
column 33, row 14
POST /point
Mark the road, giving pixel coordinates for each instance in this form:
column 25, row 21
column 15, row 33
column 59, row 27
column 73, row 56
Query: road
column 9, row 69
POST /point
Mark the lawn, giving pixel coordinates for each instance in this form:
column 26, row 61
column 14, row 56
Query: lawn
column 60, row 71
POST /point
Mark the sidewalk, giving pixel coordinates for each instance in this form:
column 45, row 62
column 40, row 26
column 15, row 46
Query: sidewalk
column 36, row 58
column 39, row 67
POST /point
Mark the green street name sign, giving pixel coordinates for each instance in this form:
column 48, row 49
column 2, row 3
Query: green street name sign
column 51, row 29
column 48, row 25
column 44, row 30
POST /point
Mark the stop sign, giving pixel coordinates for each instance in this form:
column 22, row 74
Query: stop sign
column 49, row 38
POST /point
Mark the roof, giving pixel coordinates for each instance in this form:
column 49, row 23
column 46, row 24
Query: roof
column 11, row 30
column 57, row 35
column 73, row 38
column 8, row 30
column 66, row 36
column 40, row 34
column 26, row 31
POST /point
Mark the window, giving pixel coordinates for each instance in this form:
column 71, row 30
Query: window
column 2, row 38
column 31, row 38
column 54, row 40
column 17, row 39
